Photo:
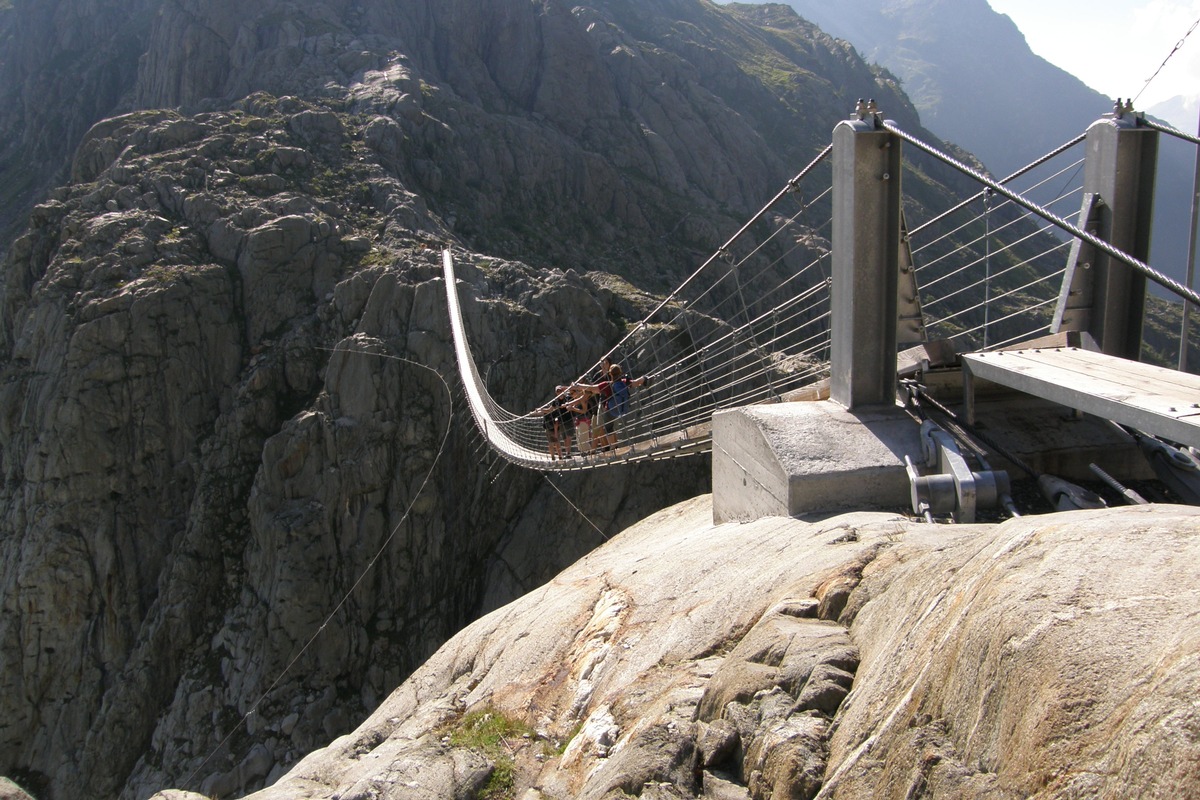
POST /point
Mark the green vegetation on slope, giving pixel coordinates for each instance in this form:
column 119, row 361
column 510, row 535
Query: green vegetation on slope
column 495, row 736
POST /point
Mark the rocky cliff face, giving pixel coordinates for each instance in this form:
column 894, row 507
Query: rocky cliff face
column 198, row 478
column 220, row 339
column 684, row 104
column 64, row 65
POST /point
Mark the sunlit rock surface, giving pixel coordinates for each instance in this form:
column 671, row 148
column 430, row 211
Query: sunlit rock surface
column 862, row 656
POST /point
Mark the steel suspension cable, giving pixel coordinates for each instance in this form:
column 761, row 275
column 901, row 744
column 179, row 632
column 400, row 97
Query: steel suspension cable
column 1063, row 195
column 708, row 348
column 1167, row 129
column 728, row 339
column 733, row 374
column 1027, row 168
column 742, row 351
column 1045, row 226
column 1174, row 50
column 711, row 288
column 1008, row 247
column 1142, row 267
column 789, row 187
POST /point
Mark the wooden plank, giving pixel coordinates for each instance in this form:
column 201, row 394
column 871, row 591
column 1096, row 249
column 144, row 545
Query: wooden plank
column 1151, row 399
column 1140, row 387
column 1108, row 375
column 1130, row 371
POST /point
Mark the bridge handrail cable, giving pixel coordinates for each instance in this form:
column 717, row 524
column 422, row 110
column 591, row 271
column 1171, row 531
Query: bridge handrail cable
column 1167, row 129
column 789, row 187
column 1009, row 179
column 687, row 308
column 924, row 267
column 757, row 330
column 1142, row 267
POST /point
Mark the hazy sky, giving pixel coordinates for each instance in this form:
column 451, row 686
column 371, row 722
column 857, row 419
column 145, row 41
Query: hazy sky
column 1114, row 46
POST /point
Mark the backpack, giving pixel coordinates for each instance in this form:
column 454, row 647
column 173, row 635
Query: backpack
column 550, row 419
column 618, row 403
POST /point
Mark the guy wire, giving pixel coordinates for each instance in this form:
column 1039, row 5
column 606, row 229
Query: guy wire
column 370, row 565
column 546, row 475
column 1174, row 50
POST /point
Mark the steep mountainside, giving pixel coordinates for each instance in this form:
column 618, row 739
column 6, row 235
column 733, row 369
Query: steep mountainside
column 1176, row 111
column 63, row 66
column 193, row 478
column 969, row 71
column 713, row 113
column 975, row 81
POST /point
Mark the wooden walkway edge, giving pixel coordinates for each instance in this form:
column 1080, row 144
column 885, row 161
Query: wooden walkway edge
column 1151, row 399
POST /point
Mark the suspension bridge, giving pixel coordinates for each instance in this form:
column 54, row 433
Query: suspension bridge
column 828, row 293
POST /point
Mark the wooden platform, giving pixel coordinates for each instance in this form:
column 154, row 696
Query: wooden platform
column 1150, row 399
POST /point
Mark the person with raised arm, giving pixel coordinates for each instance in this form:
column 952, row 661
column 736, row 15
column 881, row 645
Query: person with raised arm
column 612, row 394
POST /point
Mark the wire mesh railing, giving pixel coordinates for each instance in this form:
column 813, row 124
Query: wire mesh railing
column 1187, row 355
column 991, row 269
column 750, row 325
column 988, row 270
column 1059, row 221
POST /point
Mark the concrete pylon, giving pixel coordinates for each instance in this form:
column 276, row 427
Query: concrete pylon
column 866, row 251
column 1119, row 170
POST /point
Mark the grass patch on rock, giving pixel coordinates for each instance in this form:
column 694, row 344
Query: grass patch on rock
column 497, row 737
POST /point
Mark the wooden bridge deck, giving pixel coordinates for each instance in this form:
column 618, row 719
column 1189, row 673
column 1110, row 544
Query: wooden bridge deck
column 1150, row 399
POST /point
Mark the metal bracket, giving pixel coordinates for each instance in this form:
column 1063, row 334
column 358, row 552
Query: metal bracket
column 910, row 320
column 950, row 486
column 1067, row 496
column 1077, row 295
column 1175, row 467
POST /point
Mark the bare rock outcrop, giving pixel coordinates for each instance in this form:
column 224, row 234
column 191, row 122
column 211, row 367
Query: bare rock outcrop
column 64, row 65
column 1046, row 656
column 1055, row 657
column 606, row 124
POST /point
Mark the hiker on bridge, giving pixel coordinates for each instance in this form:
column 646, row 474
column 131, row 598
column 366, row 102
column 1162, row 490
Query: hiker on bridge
column 582, row 413
column 612, row 403
column 558, row 421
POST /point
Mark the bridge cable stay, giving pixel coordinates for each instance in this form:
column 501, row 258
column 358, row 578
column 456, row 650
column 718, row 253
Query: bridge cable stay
column 1167, row 129
column 790, row 187
column 723, row 345
column 726, row 344
column 1184, row 339
column 578, row 510
column 754, row 329
column 958, row 230
column 1162, row 280
column 950, row 234
column 1006, row 180
column 1110, row 384
column 344, row 351
column 953, row 320
column 987, row 266
column 685, row 311
column 1011, row 251
column 1178, row 46
column 928, row 269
